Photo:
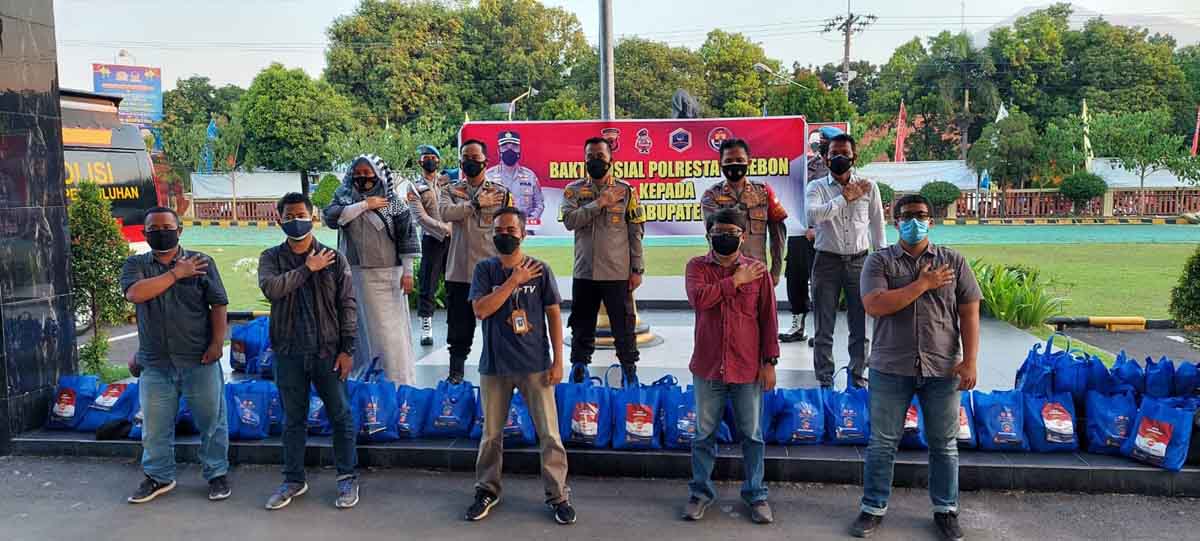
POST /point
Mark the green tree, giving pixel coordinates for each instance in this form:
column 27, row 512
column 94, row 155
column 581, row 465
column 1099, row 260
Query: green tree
column 398, row 59
column 565, row 106
column 1008, row 150
column 1142, row 143
column 323, row 195
column 898, row 78
column 1188, row 60
column 648, row 74
column 860, row 87
column 1060, row 149
column 734, row 87
column 814, row 100
column 195, row 100
column 958, row 87
column 1185, row 297
column 289, row 119
column 1082, row 187
column 97, row 253
column 397, row 145
column 1032, row 57
column 941, row 194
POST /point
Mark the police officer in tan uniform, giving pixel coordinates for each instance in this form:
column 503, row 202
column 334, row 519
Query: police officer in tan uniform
column 434, row 233
column 469, row 206
column 607, row 218
column 756, row 199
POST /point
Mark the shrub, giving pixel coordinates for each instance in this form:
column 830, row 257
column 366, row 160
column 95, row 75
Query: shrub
column 98, row 252
column 323, row 195
column 1018, row 295
column 1082, row 187
column 1185, row 297
column 93, row 359
column 886, row 194
column 940, row 194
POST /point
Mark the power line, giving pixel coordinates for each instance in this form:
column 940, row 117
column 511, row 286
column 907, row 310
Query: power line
column 848, row 25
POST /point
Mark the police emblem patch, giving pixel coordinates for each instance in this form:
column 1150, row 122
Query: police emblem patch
column 718, row 135
column 681, row 140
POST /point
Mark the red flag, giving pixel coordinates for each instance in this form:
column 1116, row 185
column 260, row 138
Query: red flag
column 1196, row 135
column 901, row 134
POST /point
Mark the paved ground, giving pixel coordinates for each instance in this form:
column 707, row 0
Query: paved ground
column 84, row 499
column 1140, row 344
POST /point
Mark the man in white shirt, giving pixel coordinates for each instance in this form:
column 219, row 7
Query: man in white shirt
column 846, row 213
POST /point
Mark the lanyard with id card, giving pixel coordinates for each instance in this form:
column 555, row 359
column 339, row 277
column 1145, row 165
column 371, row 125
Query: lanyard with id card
column 517, row 318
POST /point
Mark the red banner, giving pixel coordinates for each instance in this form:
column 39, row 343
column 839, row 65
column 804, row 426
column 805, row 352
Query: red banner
column 670, row 161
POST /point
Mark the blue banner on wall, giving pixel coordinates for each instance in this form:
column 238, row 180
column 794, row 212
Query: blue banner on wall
column 140, row 88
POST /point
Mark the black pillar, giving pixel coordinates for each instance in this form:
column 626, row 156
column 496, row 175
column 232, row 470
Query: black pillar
column 35, row 300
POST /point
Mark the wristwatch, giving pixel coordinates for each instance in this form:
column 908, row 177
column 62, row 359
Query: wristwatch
column 773, row 361
column 638, row 271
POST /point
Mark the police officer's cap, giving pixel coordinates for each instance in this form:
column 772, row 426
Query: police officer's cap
column 428, row 149
column 510, row 137
column 829, row 132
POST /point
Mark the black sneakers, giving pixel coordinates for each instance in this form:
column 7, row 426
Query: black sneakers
column 150, row 489
column 564, row 513
column 947, row 525
column 484, row 502
column 865, row 525
column 218, row 489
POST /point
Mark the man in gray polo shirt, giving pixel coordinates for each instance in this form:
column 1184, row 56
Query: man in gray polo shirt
column 925, row 301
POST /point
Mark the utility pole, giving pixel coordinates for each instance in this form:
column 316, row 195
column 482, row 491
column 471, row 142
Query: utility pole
column 848, row 24
column 607, row 90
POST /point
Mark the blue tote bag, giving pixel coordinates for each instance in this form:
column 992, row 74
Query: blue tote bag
column 1036, row 374
column 247, row 341
column 847, row 415
column 247, row 405
column 681, row 422
column 801, row 417
column 1050, row 423
column 1071, row 374
column 1160, row 377
column 1109, row 421
column 378, row 412
column 966, row 438
column 118, row 401
column 1128, row 372
column 914, row 427
column 636, row 413
column 584, row 413
column 412, row 406
column 1187, row 380
column 1161, row 433
column 451, row 410
column 999, row 420
column 72, row 398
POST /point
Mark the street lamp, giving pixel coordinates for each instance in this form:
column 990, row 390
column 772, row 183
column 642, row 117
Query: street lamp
column 512, row 105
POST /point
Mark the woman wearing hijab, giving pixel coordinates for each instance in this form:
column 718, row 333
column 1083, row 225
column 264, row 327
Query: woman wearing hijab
column 379, row 238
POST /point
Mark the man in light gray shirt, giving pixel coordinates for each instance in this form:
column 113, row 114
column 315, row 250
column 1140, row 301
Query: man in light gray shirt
column 846, row 213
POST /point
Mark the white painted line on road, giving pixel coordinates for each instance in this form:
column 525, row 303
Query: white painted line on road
column 122, row 337
column 1179, row 339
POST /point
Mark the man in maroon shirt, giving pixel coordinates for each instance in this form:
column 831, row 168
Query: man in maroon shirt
column 736, row 348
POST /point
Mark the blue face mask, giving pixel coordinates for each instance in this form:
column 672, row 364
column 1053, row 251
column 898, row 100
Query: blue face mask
column 297, row 229
column 913, row 231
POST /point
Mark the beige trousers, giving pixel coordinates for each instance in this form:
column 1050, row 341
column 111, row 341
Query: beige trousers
column 497, row 393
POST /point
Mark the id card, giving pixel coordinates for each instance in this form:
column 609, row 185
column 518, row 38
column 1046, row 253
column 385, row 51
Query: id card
column 519, row 322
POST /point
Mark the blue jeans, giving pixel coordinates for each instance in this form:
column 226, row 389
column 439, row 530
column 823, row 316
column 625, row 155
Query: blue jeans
column 747, row 411
column 159, row 390
column 293, row 376
column 890, row 397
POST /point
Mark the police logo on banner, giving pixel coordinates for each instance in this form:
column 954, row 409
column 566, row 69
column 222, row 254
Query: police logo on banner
column 681, row 140
column 717, row 136
column 613, row 136
column 643, row 143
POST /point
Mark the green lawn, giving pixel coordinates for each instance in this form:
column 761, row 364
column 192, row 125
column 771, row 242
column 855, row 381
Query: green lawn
column 1098, row 279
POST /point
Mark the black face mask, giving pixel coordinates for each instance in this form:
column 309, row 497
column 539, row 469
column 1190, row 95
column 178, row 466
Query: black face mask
column 597, row 168
column 506, row 244
column 429, row 165
column 840, row 164
column 361, row 183
column 162, row 240
column 735, row 171
column 472, row 168
column 726, row 244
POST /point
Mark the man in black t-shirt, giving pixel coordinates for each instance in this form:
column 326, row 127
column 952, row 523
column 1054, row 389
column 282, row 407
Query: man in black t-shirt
column 517, row 299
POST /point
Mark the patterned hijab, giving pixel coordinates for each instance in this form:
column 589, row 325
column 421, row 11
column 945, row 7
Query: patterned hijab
column 396, row 214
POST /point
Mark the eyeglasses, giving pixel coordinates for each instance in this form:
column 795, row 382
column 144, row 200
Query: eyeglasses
column 734, row 231
column 922, row 216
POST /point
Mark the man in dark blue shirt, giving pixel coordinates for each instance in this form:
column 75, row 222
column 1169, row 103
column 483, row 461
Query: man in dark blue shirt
column 517, row 299
column 181, row 310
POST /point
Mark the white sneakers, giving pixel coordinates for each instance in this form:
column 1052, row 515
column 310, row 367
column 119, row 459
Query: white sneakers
column 426, row 331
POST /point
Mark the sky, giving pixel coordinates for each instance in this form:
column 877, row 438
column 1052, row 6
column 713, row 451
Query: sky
column 229, row 41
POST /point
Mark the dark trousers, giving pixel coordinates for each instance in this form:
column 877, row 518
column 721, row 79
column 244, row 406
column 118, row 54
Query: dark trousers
column 433, row 266
column 800, row 254
column 460, row 320
column 832, row 275
column 293, row 375
column 586, row 296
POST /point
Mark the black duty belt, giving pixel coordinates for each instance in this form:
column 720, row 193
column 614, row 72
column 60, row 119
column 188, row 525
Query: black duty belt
column 850, row 257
